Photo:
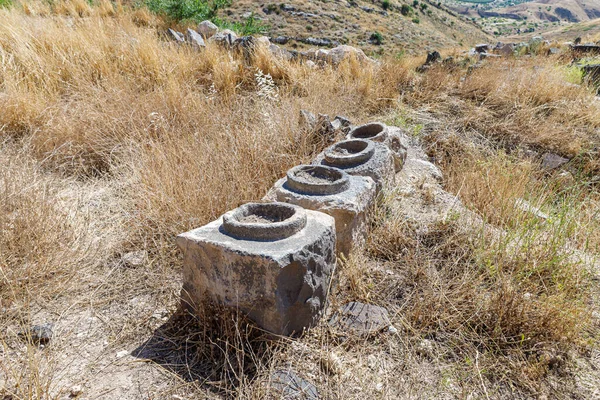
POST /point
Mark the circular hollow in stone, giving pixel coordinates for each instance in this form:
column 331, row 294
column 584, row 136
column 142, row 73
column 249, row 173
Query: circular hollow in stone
column 317, row 179
column 264, row 221
column 349, row 152
column 375, row 131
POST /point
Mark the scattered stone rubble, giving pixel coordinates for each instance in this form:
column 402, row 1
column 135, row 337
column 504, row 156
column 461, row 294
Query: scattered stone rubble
column 207, row 32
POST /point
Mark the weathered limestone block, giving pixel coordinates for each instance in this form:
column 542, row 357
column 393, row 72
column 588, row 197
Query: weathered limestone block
column 392, row 136
column 362, row 158
column 330, row 190
column 272, row 261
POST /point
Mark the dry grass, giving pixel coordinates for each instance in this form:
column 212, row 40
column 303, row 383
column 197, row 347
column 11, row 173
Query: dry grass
column 115, row 139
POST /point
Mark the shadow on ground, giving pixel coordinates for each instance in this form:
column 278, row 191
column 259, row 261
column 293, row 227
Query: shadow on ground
column 214, row 352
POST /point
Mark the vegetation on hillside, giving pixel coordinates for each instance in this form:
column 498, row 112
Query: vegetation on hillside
column 114, row 139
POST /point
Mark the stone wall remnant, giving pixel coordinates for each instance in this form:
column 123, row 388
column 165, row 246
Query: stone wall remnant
column 345, row 197
column 361, row 157
column 272, row 261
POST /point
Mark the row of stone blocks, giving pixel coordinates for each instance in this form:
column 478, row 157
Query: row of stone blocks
column 274, row 260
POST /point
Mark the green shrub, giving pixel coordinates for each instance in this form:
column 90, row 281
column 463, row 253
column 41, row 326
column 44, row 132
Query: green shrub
column 182, row 10
column 386, row 4
column 416, row 20
column 405, row 9
column 377, row 38
column 5, row 3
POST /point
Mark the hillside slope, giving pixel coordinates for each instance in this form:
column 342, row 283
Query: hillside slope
column 554, row 10
column 425, row 26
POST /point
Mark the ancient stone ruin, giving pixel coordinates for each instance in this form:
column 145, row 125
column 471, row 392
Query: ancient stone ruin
column 393, row 137
column 272, row 261
column 363, row 158
column 330, row 190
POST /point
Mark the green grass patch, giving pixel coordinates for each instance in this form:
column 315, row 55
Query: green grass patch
column 201, row 10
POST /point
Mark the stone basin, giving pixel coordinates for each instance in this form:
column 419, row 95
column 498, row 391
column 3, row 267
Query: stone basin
column 317, row 180
column 264, row 221
column 360, row 157
column 347, row 198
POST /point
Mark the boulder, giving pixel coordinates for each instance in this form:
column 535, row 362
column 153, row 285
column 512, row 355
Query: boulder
column 271, row 261
column 330, row 190
column 280, row 53
column 195, row 39
column 178, row 36
column 225, row 38
column 207, row 29
column 344, row 52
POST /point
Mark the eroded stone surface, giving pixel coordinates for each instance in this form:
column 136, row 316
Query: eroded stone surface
column 289, row 385
column 280, row 284
column 361, row 318
column 391, row 136
column 348, row 207
column 379, row 167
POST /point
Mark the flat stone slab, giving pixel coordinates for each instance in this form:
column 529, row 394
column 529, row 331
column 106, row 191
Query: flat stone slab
column 281, row 284
column 290, row 386
column 360, row 318
column 349, row 207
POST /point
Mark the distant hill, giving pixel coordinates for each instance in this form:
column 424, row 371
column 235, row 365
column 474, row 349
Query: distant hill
column 375, row 26
column 555, row 10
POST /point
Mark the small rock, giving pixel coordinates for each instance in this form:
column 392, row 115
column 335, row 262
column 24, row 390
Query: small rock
column 392, row 329
column 425, row 348
column 207, row 29
column 331, row 363
column 552, row 161
column 482, row 48
column 344, row 124
column 361, row 318
column 195, row 38
column 325, row 128
column 122, row 353
column 433, row 57
column 134, row 258
column 290, row 386
column 75, row 391
column 39, row 335
column 308, row 120
column 280, row 40
column 178, row 36
column 524, row 205
column 310, row 64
